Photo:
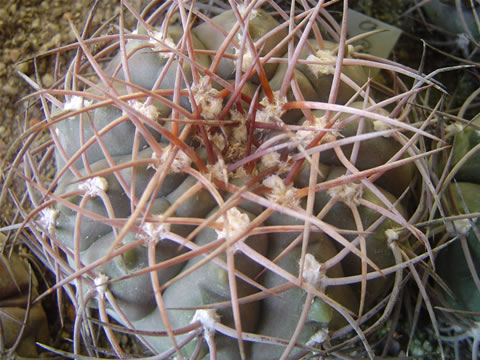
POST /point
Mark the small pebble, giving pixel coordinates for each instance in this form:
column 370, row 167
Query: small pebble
column 47, row 80
column 14, row 55
column 23, row 67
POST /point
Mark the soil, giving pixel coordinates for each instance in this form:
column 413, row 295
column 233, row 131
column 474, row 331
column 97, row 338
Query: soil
column 29, row 29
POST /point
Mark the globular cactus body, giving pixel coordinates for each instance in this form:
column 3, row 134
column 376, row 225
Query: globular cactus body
column 461, row 199
column 465, row 294
column 209, row 177
column 457, row 261
column 466, row 140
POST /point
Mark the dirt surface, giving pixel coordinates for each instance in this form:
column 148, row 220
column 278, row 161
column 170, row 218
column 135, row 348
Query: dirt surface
column 29, row 29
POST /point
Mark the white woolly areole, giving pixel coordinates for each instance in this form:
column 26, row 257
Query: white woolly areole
column 391, row 235
column 242, row 173
column 219, row 140
column 94, row 187
column 208, row 318
column 207, row 98
column 237, row 223
column 459, row 227
column 101, row 284
column 158, row 40
column 76, row 103
column 246, row 56
column 318, row 338
column 48, row 219
column 453, row 129
column 272, row 110
column 149, row 111
column 239, row 132
column 247, row 60
column 348, row 193
column 326, row 58
column 281, row 193
column 218, row 171
column 318, row 124
column 179, row 162
column 271, row 159
column 154, row 231
column 311, row 271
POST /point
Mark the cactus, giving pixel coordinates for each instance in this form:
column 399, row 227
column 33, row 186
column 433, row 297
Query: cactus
column 457, row 263
column 227, row 186
column 461, row 279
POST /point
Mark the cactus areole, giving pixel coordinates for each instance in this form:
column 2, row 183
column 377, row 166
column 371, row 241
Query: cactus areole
column 227, row 186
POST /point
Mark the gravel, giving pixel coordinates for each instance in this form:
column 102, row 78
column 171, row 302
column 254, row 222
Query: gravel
column 28, row 30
